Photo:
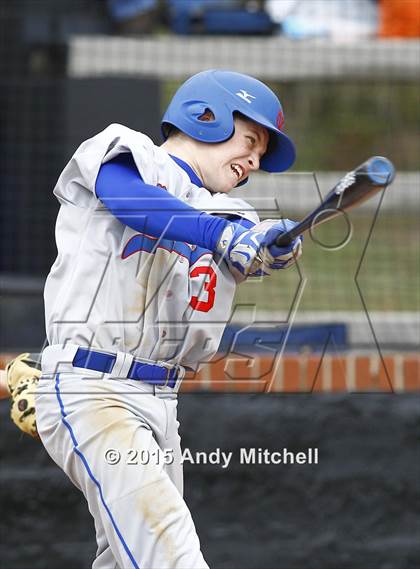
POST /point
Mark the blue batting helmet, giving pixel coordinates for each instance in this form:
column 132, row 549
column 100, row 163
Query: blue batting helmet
column 224, row 93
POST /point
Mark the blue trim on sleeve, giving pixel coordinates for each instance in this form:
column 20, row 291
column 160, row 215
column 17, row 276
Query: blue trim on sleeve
column 151, row 209
column 89, row 471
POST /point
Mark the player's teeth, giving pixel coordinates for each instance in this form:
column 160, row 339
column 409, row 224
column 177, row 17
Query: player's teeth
column 237, row 170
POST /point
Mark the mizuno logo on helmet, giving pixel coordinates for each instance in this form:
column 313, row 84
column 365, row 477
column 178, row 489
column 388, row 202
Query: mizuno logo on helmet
column 245, row 96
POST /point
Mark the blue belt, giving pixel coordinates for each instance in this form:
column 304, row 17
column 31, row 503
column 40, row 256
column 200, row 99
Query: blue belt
column 139, row 370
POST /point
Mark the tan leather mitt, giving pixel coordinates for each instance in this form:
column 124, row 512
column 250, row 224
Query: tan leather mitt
column 23, row 374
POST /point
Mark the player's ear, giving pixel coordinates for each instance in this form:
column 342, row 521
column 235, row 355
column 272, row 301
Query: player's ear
column 207, row 116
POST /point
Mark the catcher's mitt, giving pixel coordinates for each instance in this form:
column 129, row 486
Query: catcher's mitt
column 22, row 379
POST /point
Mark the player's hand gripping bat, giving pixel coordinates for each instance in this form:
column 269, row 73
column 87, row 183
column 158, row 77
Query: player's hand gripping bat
column 353, row 189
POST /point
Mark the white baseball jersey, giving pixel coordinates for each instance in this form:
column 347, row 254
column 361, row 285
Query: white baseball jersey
column 115, row 289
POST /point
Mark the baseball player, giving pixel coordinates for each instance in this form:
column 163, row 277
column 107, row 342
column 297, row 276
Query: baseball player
column 150, row 250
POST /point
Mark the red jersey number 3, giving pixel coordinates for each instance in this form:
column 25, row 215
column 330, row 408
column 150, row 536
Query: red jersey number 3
column 209, row 286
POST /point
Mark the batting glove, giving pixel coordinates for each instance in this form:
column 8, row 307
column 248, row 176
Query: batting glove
column 239, row 247
column 251, row 252
column 274, row 257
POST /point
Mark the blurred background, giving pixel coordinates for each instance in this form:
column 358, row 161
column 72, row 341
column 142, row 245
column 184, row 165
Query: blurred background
column 336, row 338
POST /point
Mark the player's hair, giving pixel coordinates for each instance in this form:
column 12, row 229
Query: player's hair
column 172, row 131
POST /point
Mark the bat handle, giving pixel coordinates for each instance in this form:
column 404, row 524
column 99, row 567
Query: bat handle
column 285, row 239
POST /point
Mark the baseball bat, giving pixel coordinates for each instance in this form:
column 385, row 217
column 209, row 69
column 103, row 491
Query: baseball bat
column 351, row 190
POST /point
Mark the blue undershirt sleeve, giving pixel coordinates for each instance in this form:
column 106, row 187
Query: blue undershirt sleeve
column 151, row 209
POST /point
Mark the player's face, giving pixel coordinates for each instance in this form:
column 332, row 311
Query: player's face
column 228, row 163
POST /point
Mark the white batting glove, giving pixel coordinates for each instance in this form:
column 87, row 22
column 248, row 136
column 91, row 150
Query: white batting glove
column 239, row 247
column 273, row 257
column 250, row 251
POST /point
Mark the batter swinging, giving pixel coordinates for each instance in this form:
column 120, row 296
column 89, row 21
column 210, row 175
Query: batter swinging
column 150, row 250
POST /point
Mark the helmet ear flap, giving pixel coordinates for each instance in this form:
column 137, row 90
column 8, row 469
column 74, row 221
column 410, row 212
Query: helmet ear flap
column 195, row 109
column 204, row 121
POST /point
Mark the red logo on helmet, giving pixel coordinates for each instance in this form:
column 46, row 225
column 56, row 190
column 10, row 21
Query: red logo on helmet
column 280, row 120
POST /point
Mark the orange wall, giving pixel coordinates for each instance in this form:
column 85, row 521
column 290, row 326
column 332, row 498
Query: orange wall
column 305, row 373
column 399, row 18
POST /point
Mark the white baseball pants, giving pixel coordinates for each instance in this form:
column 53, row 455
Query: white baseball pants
column 117, row 440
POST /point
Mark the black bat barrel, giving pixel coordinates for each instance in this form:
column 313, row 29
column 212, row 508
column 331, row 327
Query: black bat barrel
column 354, row 188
